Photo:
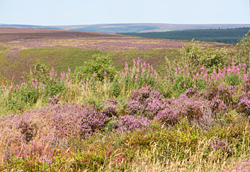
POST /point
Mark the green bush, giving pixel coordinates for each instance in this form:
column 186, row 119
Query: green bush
column 98, row 67
column 40, row 72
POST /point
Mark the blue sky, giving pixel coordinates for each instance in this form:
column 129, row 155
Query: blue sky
column 80, row 12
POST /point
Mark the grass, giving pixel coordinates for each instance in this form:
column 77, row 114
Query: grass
column 63, row 57
column 58, row 57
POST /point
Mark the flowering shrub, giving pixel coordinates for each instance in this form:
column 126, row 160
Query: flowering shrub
column 146, row 102
column 168, row 116
column 111, row 107
column 217, row 105
column 243, row 105
column 218, row 144
column 129, row 122
column 134, row 108
column 74, row 120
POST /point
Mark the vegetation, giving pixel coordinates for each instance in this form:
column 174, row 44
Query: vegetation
column 228, row 36
column 193, row 118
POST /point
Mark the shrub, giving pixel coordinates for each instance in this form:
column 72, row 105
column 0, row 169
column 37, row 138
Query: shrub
column 243, row 105
column 130, row 123
column 40, row 72
column 97, row 67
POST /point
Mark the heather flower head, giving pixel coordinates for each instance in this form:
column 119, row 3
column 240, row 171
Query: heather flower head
column 168, row 116
column 134, row 108
column 217, row 105
column 191, row 92
column 130, row 123
column 154, row 105
column 110, row 107
column 243, row 105
column 141, row 94
column 218, row 144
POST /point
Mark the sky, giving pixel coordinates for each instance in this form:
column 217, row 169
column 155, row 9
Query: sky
column 84, row 12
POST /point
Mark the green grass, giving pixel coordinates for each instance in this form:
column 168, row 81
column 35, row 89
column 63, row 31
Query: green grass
column 60, row 58
column 4, row 61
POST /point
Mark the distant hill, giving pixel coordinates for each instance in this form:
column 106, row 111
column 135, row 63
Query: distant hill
column 228, row 36
column 116, row 29
column 130, row 27
column 26, row 26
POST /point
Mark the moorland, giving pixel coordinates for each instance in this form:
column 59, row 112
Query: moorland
column 85, row 101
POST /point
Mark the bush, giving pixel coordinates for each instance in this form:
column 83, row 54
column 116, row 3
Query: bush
column 40, row 72
column 98, row 67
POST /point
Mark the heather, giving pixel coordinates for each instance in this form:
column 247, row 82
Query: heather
column 194, row 116
column 60, row 49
